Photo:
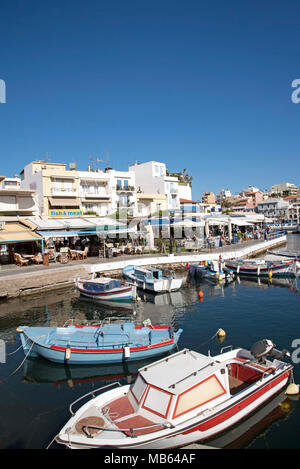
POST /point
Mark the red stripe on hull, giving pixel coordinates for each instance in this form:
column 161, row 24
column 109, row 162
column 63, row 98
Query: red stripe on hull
column 119, row 350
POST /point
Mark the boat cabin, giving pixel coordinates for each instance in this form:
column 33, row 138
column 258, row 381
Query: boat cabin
column 101, row 284
column 180, row 387
column 148, row 275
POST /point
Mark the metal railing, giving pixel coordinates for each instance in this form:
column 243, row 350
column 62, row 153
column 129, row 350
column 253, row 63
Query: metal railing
column 124, row 430
column 275, row 235
column 92, row 393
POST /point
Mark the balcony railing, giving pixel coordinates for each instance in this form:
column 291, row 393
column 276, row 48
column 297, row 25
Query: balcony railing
column 95, row 195
column 66, row 192
column 125, row 189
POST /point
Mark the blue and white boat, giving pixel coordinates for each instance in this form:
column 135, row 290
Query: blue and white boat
column 211, row 271
column 152, row 279
column 98, row 344
column 106, row 289
column 262, row 267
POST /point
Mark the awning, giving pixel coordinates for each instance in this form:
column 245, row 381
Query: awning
column 71, row 234
column 17, row 233
column 241, row 222
column 58, row 234
column 64, row 202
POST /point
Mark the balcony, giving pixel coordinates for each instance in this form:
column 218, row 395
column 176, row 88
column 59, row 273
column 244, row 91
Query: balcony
column 95, row 195
column 125, row 189
column 64, row 192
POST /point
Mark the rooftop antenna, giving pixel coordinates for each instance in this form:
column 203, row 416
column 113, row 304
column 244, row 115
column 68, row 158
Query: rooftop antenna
column 107, row 158
column 91, row 163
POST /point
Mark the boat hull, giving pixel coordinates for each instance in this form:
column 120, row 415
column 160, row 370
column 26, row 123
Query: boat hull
column 126, row 293
column 161, row 286
column 282, row 270
column 97, row 356
column 198, row 271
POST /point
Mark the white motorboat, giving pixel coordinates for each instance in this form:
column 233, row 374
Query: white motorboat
column 152, row 279
column 183, row 398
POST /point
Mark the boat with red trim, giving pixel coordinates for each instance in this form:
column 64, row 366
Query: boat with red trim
column 107, row 342
column 262, row 267
column 183, row 398
column 106, row 289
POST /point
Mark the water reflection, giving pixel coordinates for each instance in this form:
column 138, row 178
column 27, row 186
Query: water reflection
column 39, row 370
column 242, row 434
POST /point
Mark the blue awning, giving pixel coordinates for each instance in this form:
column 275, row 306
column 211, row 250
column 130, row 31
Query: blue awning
column 71, row 234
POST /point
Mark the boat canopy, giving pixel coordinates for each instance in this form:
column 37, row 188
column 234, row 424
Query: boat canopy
column 148, row 274
column 102, row 284
column 179, row 372
column 180, row 384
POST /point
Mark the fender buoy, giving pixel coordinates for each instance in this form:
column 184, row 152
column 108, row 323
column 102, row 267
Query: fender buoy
column 200, row 294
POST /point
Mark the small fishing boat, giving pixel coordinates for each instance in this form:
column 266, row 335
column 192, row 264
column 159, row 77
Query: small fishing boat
column 261, row 267
column 108, row 342
column 109, row 289
column 211, row 271
column 284, row 255
column 152, row 279
column 181, row 399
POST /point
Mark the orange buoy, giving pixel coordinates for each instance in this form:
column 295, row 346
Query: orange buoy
column 200, row 294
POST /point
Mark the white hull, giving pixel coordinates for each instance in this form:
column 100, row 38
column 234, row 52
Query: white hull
column 161, row 286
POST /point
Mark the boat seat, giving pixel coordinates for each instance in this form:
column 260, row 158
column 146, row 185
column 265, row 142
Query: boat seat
column 236, row 385
column 136, row 422
column 118, row 408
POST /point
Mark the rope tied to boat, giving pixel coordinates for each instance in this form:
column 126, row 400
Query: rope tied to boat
column 27, row 354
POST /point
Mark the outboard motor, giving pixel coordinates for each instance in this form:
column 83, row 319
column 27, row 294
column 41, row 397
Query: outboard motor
column 265, row 347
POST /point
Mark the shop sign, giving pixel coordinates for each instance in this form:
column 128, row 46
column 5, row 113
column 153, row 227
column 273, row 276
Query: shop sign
column 66, row 213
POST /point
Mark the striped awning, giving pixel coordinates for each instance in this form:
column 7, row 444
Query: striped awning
column 17, row 233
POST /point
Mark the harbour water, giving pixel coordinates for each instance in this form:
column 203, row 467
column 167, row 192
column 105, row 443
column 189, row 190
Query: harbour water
column 34, row 397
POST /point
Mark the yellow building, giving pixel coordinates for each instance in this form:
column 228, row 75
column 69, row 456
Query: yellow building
column 56, row 186
column 151, row 203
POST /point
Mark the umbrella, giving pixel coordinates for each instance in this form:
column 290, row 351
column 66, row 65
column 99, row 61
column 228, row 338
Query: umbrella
column 150, row 236
column 207, row 228
column 229, row 229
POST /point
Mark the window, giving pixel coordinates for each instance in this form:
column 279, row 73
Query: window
column 138, row 388
column 206, row 391
column 157, row 401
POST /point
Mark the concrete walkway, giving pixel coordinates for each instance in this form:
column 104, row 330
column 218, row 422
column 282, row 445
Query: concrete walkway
column 93, row 264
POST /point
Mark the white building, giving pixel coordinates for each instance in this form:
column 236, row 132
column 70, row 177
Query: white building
column 78, row 193
column 285, row 187
column 274, row 208
column 13, row 200
column 152, row 178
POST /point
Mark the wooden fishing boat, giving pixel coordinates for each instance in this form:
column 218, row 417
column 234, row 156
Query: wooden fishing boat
column 106, row 289
column 109, row 342
column 178, row 400
column 262, row 267
column 284, row 255
column 152, row 279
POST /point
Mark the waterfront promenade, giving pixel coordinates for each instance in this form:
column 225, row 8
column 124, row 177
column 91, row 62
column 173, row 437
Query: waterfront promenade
column 35, row 279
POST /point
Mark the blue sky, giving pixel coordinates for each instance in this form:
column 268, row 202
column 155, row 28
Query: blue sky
column 199, row 85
